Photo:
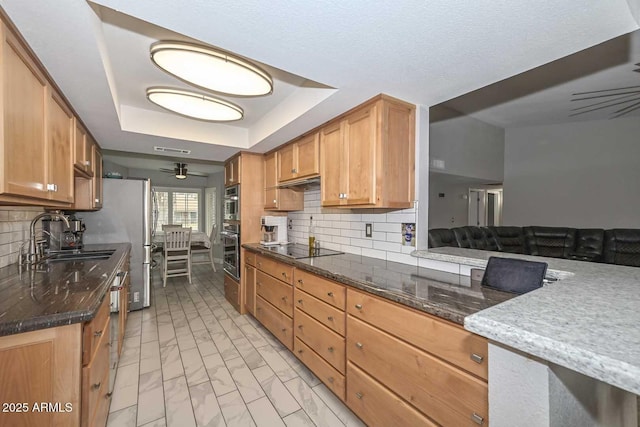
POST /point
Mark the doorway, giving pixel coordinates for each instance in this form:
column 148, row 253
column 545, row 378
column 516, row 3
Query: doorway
column 485, row 207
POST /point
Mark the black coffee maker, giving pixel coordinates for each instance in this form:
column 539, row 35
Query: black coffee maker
column 60, row 237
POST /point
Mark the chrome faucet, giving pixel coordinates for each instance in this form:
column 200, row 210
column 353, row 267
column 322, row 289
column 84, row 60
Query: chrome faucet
column 33, row 244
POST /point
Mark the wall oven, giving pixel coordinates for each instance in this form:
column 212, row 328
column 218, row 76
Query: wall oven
column 232, row 203
column 230, row 235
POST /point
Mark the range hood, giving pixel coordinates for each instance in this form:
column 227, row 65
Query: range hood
column 303, row 184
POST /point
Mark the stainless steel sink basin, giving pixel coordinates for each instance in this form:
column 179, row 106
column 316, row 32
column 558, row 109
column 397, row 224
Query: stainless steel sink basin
column 78, row 256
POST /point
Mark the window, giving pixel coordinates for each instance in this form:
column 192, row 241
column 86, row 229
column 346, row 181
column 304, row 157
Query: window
column 211, row 208
column 178, row 206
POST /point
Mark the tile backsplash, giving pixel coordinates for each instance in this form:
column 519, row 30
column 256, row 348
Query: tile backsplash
column 344, row 230
column 14, row 229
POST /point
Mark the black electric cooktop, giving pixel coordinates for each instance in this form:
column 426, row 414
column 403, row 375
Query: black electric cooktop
column 301, row 251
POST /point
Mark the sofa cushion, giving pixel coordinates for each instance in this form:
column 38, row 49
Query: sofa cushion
column 589, row 245
column 462, row 237
column 622, row 246
column 557, row 242
column 509, row 239
column 439, row 237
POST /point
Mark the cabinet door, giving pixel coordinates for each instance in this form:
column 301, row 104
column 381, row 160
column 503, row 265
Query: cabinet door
column 60, row 124
column 24, row 96
column 250, row 289
column 308, row 156
column 360, row 141
column 331, row 164
column 286, row 163
column 271, row 198
column 97, row 180
column 270, row 170
column 81, row 149
column 232, row 172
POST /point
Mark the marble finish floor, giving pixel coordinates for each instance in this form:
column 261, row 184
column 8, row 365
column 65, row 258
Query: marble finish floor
column 191, row 360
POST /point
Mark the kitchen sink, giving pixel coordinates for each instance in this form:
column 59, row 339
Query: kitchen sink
column 71, row 256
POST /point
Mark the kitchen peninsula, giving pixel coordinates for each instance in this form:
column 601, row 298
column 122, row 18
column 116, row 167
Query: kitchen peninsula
column 55, row 343
column 357, row 322
column 569, row 339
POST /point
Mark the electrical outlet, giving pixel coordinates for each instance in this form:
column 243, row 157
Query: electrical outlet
column 136, row 297
column 290, row 224
column 368, row 230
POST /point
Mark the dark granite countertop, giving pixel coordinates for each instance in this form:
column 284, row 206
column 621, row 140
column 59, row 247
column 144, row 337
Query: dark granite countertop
column 68, row 292
column 446, row 295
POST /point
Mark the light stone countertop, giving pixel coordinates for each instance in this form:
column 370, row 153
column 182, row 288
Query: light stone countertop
column 589, row 321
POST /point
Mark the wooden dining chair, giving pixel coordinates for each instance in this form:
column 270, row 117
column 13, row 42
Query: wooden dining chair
column 202, row 249
column 176, row 253
column 165, row 226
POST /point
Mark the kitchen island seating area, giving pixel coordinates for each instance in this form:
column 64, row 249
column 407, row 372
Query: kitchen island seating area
column 619, row 246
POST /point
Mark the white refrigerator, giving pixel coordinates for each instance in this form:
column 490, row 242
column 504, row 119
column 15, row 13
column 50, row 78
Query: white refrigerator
column 126, row 216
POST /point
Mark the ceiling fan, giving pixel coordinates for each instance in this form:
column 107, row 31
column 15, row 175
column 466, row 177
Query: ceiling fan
column 180, row 171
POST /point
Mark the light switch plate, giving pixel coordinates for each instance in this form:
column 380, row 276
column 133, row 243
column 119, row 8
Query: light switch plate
column 368, row 230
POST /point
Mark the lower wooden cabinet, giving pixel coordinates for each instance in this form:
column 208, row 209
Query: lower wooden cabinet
column 326, row 343
column 323, row 370
column 232, row 291
column 278, row 323
column 250, row 287
column 95, row 383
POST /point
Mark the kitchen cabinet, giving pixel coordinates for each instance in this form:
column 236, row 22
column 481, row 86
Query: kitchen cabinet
column 299, row 159
column 279, row 199
column 420, row 359
column 60, row 124
column 232, row 171
column 82, row 158
column 319, row 328
column 367, row 156
column 232, row 291
column 41, row 366
column 88, row 191
column 250, row 282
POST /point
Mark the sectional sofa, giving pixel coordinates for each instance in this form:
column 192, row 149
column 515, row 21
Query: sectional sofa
column 616, row 246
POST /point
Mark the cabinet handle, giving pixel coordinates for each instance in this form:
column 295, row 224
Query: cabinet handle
column 359, row 345
column 300, row 326
column 97, row 200
column 300, row 281
column 330, row 294
column 284, row 329
column 477, row 419
column 359, row 395
column 331, row 380
column 52, row 187
column 476, row 358
column 259, row 264
column 330, row 318
column 97, row 334
column 284, row 274
column 284, row 299
column 259, row 283
column 294, row 170
column 299, row 301
column 330, row 349
column 300, row 351
column 275, row 201
column 108, row 395
column 359, row 306
column 87, row 162
column 96, row 385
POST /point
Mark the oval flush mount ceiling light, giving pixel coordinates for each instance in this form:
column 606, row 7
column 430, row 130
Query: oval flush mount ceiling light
column 194, row 105
column 211, row 69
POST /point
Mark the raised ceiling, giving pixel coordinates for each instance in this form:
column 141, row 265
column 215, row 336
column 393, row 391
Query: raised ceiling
column 326, row 56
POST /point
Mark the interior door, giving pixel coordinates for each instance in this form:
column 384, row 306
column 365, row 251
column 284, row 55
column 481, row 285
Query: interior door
column 477, row 207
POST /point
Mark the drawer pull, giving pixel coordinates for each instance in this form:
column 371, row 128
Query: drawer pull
column 259, row 283
column 359, row 395
column 299, row 301
column 331, row 380
column 259, row 264
column 96, row 385
column 477, row 419
column 300, row 326
column 359, row 306
column 97, row 334
column 108, row 395
column 330, row 349
column 284, row 329
column 284, row 299
column 300, row 281
column 300, row 351
column 330, row 294
column 330, row 318
column 284, row 274
column 359, row 345
column 476, row 358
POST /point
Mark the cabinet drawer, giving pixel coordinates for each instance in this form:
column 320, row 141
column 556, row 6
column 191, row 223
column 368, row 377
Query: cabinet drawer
column 330, row 292
column 276, row 269
column 278, row 293
column 376, row 405
column 324, row 313
column 443, row 339
column 321, row 339
column 278, row 323
column 101, row 412
column 232, row 292
column 443, row 392
column 327, row 374
column 94, row 330
column 250, row 258
column 95, row 376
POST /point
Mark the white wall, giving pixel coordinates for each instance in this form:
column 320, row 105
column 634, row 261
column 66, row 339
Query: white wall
column 344, row 230
column 14, row 230
column 469, row 147
column 582, row 174
column 108, row 166
column 451, row 210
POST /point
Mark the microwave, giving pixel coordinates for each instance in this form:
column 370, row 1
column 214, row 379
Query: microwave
column 232, row 203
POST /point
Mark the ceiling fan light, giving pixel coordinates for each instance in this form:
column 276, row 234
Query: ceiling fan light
column 211, row 69
column 195, row 105
column 181, row 171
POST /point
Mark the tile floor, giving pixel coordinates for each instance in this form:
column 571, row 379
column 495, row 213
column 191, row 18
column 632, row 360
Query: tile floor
column 192, row 360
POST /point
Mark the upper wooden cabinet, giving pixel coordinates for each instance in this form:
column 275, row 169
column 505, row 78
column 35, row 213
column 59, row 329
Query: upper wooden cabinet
column 368, row 156
column 279, row 199
column 60, row 123
column 88, row 191
column 82, row 158
column 300, row 159
column 232, row 171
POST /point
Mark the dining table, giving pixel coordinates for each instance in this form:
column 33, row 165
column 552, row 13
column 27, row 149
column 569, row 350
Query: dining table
column 197, row 238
